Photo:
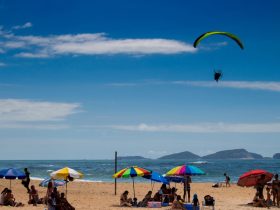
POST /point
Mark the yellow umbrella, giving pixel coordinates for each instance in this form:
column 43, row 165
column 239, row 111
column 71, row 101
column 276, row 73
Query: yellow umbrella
column 66, row 174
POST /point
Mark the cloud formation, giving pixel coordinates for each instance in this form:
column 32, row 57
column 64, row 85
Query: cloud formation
column 14, row 110
column 26, row 25
column 87, row 44
column 252, row 85
column 2, row 64
column 203, row 128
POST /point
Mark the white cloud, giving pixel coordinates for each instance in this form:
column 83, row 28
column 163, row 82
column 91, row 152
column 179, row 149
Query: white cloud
column 14, row 110
column 252, row 85
column 26, row 25
column 89, row 44
column 2, row 64
column 203, row 128
column 33, row 126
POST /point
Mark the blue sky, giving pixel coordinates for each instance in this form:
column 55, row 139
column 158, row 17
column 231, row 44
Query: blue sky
column 81, row 80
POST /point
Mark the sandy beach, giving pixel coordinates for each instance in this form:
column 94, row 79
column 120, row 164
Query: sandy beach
column 91, row 195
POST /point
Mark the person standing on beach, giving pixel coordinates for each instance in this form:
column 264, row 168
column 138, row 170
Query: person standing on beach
column 276, row 190
column 187, row 187
column 26, row 181
column 227, row 180
column 260, row 185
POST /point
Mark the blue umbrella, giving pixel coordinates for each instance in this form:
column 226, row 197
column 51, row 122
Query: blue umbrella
column 56, row 183
column 156, row 177
column 176, row 179
column 11, row 173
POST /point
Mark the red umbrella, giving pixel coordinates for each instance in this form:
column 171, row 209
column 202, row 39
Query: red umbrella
column 250, row 178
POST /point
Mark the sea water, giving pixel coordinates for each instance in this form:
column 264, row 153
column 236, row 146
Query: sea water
column 102, row 170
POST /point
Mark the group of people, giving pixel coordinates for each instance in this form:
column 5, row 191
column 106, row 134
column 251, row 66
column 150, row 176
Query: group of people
column 272, row 190
column 162, row 196
column 7, row 199
column 56, row 200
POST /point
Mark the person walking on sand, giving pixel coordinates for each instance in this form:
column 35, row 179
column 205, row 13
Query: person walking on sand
column 187, row 187
column 260, row 185
column 26, row 181
column 227, row 180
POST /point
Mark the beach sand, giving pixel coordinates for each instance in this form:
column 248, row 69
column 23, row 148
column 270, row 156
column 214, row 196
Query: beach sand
column 91, row 195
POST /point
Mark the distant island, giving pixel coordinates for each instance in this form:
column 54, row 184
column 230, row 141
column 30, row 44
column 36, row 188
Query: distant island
column 233, row 154
column 225, row 154
column 276, row 156
column 180, row 156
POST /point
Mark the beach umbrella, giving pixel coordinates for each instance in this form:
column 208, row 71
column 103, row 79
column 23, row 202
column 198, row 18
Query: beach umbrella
column 11, row 173
column 156, row 177
column 132, row 172
column 176, row 179
column 67, row 174
column 250, row 178
column 185, row 170
column 56, row 183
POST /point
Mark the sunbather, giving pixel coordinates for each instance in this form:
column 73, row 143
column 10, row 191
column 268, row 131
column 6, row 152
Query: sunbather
column 64, row 204
column 9, row 200
column 258, row 201
column 124, row 200
column 34, row 196
column 178, row 203
column 2, row 196
column 146, row 199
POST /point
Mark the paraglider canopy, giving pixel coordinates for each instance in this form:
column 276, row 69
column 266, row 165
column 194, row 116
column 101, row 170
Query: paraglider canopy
column 217, row 75
column 210, row 33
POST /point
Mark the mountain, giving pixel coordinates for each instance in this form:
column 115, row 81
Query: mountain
column 233, row 154
column 131, row 158
column 276, row 156
column 180, row 155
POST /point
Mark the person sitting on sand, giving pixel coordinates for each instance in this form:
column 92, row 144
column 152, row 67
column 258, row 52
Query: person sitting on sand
column 64, row 204
column 276, row 190
column 49, row 192
column 52, row 204
column 34, row 196
column 259, row 201
column 3, row 195
column 9, row 200
column 146, row 199
column 195, row 202
column 124, row 200
column 173, row 194
column 157, row 197
column 178, row 203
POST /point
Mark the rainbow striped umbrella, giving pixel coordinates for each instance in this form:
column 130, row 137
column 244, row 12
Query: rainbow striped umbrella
column 185, row 170
column 132, row 172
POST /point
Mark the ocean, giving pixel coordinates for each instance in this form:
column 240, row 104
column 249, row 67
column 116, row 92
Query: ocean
column 102, row 170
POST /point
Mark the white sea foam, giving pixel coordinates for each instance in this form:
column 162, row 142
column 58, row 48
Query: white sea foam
column 36, row 178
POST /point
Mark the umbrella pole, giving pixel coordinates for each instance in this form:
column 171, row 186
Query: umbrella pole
column 10, row 184
column 66, row 188
column 133, row 187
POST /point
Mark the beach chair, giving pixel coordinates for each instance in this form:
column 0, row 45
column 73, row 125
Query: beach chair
column 208, row 203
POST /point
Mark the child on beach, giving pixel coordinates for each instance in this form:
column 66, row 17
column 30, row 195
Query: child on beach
column 195, row 202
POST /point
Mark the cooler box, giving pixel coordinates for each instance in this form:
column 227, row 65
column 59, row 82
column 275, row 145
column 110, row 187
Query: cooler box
column 164, row 204
column 152, row 204
column 189, row 206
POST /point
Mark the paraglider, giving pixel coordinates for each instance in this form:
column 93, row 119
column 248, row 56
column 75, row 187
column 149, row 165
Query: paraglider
column 210, row 33
column 217, row 75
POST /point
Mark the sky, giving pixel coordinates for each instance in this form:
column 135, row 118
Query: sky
column 82, row 79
